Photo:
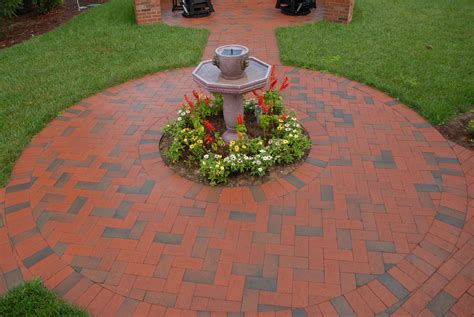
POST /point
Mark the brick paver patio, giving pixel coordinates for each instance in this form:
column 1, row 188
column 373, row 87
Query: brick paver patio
column 377, row 220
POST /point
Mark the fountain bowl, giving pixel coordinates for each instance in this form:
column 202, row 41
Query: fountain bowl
column 232, row 60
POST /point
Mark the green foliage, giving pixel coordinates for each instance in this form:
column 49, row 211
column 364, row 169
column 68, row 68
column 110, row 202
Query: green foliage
column 212, row 166
column 275, row 101
column 421, row 52
column 100, row 48
column 8, row 8
column 33, row 299
column 470, row 127
column 43, row 6
column 195, row 140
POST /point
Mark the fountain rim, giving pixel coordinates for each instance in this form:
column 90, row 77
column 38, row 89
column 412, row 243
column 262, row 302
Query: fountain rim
column 236, row 88
column 220, row 49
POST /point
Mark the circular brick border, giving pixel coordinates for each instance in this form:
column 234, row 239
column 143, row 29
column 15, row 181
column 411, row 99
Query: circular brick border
column 33, row 195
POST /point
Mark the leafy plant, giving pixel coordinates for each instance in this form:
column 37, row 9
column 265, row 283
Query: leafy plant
column 8, row 7
column 44, row 6
column 33, row 299
column 470, row 127
column 196, row 140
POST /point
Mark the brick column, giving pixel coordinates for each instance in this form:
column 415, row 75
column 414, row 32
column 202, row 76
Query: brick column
column 338, row 10
column 147, row 11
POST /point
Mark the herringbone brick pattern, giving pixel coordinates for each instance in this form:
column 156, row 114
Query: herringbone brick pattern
column 378, row 219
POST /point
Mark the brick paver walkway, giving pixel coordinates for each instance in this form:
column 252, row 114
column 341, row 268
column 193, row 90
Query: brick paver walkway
column 377, row 220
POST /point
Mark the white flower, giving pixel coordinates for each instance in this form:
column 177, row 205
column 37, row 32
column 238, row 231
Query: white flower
column 179, row 118
column 206, row 156
column 270, row 141
column 258, row 162
column 187, row 111
column 260, row 169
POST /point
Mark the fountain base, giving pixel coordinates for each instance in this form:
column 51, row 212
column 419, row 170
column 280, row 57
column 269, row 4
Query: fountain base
column 233, row 107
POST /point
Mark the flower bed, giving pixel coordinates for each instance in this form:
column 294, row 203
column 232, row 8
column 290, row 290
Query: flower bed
column 268, row 137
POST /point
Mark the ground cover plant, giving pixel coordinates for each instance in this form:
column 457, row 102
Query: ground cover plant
column 267, row 135
column 32, row 299
column 421, row 52
column 97, row 49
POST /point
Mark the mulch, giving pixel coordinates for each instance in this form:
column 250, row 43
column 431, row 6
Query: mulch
column 22, row 27
column 456, row 130
column 190, row 170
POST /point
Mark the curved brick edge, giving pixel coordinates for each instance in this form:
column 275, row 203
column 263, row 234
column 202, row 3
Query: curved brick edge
column 32, row 255
column 10, row 271
column 436, row 279
column 309, row 170
column 433, row 250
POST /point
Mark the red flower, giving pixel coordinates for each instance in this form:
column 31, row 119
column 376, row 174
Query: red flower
column 261, row 103
column 283, row 116
column 273, row 83
column 209, row 139
column 273, row 75
column 209, row 126
column 196, row 95
column 190, row 103
column 207, row 100
column 284, row 84
column 255, row 93
column 240, row 119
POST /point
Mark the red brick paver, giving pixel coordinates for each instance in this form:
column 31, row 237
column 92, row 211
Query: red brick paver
column 378, row 219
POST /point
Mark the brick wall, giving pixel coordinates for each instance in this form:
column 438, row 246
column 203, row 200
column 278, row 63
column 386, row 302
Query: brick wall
column 338, row 10
column 147, row 11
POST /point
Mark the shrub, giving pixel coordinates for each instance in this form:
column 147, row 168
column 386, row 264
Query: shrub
column 44, row 6
column 8, row 7
column 195, row 140
column 470, row 127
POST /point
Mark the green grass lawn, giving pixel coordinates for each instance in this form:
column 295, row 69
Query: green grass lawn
column 421, row 51
column 97, row 49
column 33, row 299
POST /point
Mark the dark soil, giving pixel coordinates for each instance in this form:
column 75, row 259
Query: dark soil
column 22, row 27
column 191, row 170
column 456, row 130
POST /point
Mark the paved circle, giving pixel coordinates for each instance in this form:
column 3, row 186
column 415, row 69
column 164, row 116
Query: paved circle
column 377, row 208
column 103, row 202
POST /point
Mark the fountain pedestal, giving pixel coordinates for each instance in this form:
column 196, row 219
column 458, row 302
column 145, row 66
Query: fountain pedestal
column 232, row 73
column 233, row 106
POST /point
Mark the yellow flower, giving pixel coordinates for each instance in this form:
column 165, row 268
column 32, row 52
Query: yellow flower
column 232, row 143
column 285, row 141
column 191, row 146
column 280, row 127
column 236, row 148
column 199, row 141
column 243, row 146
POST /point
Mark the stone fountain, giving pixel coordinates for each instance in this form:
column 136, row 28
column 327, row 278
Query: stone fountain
column 232, row 73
